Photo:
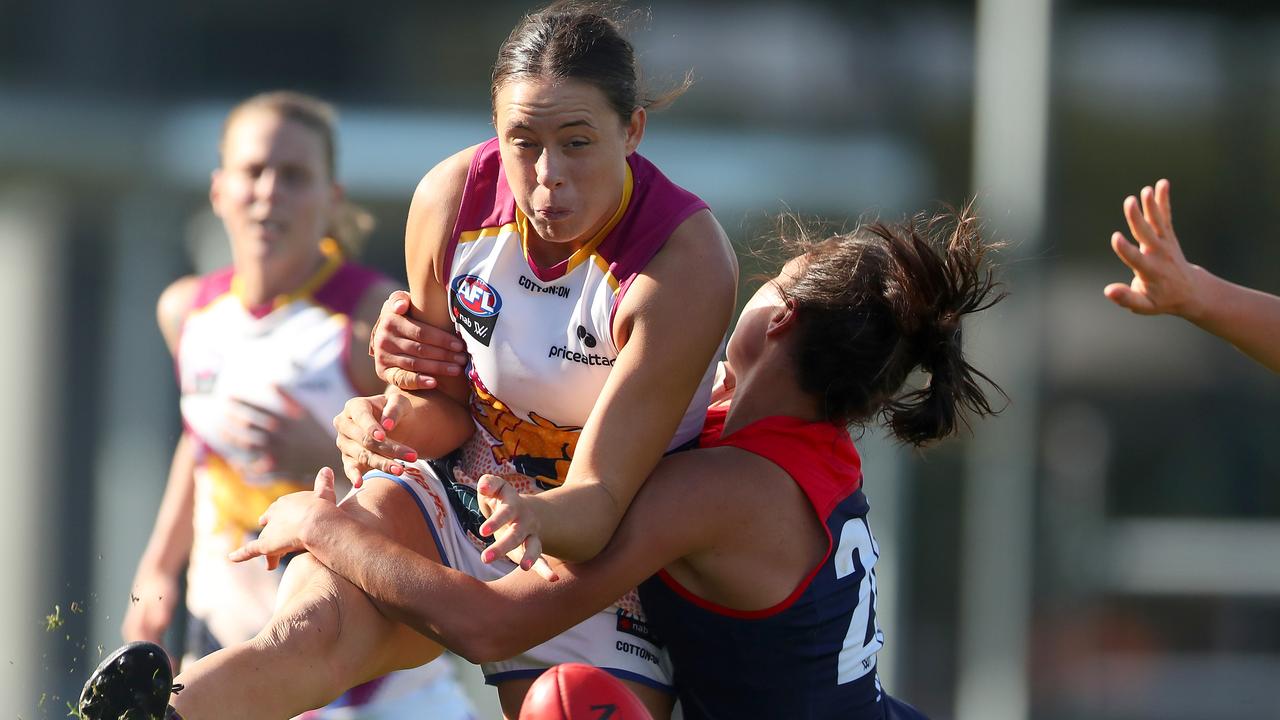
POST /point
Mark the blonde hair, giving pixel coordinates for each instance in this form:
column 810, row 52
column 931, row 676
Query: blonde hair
column 350, row 225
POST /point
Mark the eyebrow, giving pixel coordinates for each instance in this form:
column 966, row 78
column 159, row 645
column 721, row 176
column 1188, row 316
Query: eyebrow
column 521, row 125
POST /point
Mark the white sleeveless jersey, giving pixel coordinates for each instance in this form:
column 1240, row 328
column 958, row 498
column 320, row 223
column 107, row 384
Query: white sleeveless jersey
column 300, row 343
column 541, row 339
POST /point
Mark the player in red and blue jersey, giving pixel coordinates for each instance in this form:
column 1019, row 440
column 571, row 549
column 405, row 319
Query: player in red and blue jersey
column 755, row 555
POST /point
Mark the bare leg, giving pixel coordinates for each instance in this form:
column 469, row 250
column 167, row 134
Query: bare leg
column 326, row 635
column 511, row 694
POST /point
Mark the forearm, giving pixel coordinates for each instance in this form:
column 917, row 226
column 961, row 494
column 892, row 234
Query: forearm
column 577, row 520
column 1248, row 319
column 460, row 612
column 436, row 425
column 170, row 544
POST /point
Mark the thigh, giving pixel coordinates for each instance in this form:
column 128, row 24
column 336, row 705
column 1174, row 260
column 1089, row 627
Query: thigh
column 366, row 642
column 390, row 506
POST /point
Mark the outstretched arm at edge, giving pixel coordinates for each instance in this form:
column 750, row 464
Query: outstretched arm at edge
column 1165, row 283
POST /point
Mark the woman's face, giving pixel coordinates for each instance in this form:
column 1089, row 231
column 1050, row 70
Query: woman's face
column 564, row 151
column 765, row 310
column 273, row 191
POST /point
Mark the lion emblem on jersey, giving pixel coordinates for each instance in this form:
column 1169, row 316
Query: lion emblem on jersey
column 536, row 447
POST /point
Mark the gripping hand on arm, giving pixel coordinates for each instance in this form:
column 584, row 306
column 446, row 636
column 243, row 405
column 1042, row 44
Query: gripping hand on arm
column 383, row 432
column 409, row 353
column 1164, row 282
column 514, row 525
column 283, row 524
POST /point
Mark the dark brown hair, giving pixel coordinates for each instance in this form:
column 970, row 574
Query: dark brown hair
column 875, row 304
column 583, row 41
column 351, row 224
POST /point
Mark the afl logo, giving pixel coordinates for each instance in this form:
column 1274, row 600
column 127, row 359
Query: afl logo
column 476, row 295
column 475, row 305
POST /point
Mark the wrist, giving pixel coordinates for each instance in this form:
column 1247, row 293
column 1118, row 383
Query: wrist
column 1198, row 308
column 318, row 525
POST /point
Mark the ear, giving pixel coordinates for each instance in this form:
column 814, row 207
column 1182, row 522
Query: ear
column 782, row 320
column 635, row 129
column 215, row 190
column 337, row 193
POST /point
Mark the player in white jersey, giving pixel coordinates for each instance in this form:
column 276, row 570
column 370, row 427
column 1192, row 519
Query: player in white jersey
column 263, row 356
column 570, row 117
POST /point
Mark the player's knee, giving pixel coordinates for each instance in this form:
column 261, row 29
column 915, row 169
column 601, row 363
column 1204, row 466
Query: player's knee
column 382, row 505
column 307, row 621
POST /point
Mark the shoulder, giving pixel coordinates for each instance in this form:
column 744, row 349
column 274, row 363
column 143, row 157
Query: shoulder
column 175, row 303
column 434, row 209
column 699, row 248
column 711, row 495
column 699, row 261
column 441, row 189
column 710, row 477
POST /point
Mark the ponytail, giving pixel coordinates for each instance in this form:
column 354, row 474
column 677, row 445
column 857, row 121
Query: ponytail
column 877, row 304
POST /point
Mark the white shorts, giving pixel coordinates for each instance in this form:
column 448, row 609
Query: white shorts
column 615, row 639
column 426, row 691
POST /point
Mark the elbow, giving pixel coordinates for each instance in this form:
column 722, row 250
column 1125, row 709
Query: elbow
column 480, row 652
column 584, row 549
column 589, row 539
column 483, row 645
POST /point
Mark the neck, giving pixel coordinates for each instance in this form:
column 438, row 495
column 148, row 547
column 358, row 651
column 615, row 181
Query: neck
column 261, row 281
column 769, row 388
column 547, row 254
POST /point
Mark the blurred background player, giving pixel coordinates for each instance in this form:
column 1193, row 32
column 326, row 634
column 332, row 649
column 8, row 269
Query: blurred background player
column 1164, row 282
column 263, row 355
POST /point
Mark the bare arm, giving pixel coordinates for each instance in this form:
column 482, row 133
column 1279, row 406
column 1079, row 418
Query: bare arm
column 1164, row 282
column 155, row 590
column 491, row 621
column 669, row 327
column 382, row 431
column 154, row 594
column 438, row 416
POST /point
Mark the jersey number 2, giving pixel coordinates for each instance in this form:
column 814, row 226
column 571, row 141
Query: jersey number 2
column 856, row 555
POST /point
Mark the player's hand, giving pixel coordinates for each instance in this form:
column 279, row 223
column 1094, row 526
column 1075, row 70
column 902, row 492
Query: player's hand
column 286, row 443
column 1163, row 280
column 363, row 435
column 513, row 525
column 152, row 600
column 285, row 522
column 411, row 354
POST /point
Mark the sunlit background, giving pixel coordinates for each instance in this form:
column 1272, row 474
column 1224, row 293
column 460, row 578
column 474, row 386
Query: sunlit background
column 1108, row 549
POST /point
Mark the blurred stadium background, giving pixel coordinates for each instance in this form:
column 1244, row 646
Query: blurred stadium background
column 1107, row 549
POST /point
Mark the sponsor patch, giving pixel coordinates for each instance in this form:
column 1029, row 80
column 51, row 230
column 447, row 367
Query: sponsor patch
column 634, row 626
column 564, row 353
column 475, row 305
column 559, row 291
